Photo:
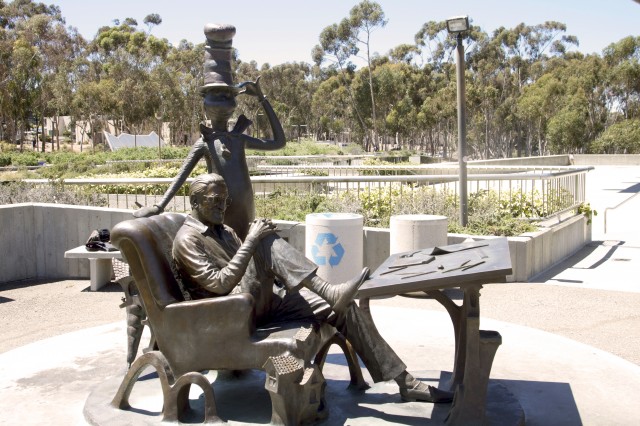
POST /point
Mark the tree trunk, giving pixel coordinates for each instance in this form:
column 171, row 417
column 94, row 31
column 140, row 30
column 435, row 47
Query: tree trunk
column 43, row 141
column 18, row 131
column 56, row 130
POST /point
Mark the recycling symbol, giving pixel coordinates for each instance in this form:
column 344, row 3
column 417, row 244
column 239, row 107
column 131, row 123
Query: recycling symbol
column 327, row 250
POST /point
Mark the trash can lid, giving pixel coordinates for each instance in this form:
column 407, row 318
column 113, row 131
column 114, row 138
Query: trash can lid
column 334, row 218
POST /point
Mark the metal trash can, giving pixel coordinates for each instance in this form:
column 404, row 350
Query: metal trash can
column 334, row 242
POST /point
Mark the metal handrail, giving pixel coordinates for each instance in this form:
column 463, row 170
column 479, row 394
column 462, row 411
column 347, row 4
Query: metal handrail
column 565, row 189
column 615, row 207
column 323, row 179
column 252, row 157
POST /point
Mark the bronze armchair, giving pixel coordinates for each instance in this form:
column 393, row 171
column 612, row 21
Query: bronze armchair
column 217, row 334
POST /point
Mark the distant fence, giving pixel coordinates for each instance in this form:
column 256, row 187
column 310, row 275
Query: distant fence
column 257, row 162
column 555, row 189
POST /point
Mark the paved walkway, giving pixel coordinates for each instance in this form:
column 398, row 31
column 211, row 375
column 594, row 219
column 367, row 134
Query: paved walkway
column 571, row 340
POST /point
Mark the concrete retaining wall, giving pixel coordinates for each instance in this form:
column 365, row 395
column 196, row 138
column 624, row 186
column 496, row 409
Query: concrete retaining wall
column 548, row 160
column 534, row 252
column 606, row 159
column 565, row 160
column 34, row 237
column 531, row 253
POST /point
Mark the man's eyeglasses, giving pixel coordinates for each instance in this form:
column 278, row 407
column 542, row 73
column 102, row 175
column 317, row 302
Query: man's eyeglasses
column 217, row 199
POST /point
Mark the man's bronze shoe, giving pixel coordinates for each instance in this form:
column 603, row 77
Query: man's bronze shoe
column 347, row 291
column 338, row 296
column 425, row 393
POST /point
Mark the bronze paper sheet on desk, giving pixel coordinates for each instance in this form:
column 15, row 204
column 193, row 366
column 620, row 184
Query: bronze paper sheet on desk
column 440, row 267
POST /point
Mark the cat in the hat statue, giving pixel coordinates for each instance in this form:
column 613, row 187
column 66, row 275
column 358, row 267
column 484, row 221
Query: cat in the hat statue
column 224, row 150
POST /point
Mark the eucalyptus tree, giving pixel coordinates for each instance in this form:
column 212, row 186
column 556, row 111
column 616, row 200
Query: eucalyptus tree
column 29, row 37
column 620, row 138
column 152, row 20
column 129, row 57
column 434, row 43
column 526, row 47
column 437, row 49
column 290, row 87
column 336, row 47
column 179, row 78
column 331, row 108
column 340, row 42
column 401, row 88
column 623, row 61
column 526, row 50
column 537, row 105
column 249, row 71
column 566, row 107
column 364, row 18
column 92, row 100
column 581, row 113
column 404, row 87
column 394, row 106
column 63, row 47
column 405, row 53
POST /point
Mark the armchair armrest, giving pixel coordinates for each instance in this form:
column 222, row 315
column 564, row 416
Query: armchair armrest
column 227, row 317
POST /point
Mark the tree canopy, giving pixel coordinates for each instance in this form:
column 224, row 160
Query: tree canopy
column 529, row 90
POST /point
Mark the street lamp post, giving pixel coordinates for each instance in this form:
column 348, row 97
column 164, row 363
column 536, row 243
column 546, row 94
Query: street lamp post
column 159, row 117
column 456, row 26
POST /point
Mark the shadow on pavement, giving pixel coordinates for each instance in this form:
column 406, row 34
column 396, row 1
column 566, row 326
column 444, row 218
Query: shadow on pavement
column 633, row 189
column 555, row 399
column 571, row 262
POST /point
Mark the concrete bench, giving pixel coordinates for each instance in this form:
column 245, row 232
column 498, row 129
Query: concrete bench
column 100, row 264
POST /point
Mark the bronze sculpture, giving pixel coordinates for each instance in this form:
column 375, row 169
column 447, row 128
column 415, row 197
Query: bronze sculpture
column 223, row 150
column 191, row 336
column 212, row 261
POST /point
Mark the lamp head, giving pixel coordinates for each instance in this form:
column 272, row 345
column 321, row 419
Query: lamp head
column 458, row 24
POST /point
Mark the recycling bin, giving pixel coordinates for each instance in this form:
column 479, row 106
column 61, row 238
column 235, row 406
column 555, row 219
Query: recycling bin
column 334, row 242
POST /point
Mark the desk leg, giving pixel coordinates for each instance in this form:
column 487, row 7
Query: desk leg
column 479, row 348
column 99, row 273
column 459, row 332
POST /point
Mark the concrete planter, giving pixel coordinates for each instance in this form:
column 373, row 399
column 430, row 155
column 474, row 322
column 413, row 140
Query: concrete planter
column 531, row 253
column 34, row 237
column 534, row 252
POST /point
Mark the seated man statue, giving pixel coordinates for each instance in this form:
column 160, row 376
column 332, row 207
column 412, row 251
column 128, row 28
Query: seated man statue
column 213, row 261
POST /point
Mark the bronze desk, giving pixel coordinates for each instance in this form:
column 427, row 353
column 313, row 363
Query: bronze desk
column 466, row 266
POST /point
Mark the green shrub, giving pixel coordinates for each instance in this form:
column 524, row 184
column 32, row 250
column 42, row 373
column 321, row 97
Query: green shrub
column 289, row 205
column 486, row 214
column 5, row 160
column 315, row 172
column 352, row 149
column 585, row 209
column 307, row 147
column 28, row 158
column 6, row 146
column 21, row 192
column 150, row 189
column 378, row 205
column 382, row 172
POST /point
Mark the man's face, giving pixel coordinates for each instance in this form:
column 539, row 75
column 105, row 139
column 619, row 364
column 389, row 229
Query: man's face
column 211, row 206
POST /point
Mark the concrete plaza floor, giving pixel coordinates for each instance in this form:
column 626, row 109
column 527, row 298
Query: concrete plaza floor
column 570, row 352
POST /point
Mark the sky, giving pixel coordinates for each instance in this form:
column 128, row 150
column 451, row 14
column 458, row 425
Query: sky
column 279, row 31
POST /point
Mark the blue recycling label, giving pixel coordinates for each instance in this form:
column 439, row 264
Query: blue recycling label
column 327, row 250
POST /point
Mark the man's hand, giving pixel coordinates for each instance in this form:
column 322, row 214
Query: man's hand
column 260, row 228
column 252, row 88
